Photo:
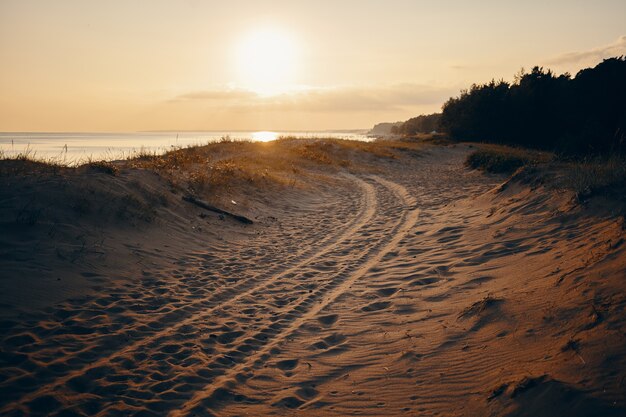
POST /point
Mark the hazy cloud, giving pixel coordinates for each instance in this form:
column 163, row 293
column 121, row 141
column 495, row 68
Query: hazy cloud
column 341, row 99
column 592, row 56
column 231, row 94
column 353, row 99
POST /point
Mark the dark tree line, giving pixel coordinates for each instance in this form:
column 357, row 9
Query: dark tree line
column 425, row 123
column 584, row 114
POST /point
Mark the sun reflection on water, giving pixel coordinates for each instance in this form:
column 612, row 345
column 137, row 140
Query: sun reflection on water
column 264, row 136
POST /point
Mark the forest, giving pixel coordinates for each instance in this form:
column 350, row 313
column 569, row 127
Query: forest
column 585, row 114
column 425, row 123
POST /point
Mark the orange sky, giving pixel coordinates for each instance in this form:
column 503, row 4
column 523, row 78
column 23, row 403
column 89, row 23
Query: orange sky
column 283, row 65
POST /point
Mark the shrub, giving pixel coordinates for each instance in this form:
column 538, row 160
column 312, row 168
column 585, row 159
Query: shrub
column 504, row 160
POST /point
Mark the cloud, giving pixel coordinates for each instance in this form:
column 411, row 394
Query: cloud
column 229, row 94
column 592, row 56
column 318, row 100
column 354, row 99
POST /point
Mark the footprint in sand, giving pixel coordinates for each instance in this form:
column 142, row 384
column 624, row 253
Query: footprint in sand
column 380, row 305
column 328, row 320
column 386, row 292
column 287, row 365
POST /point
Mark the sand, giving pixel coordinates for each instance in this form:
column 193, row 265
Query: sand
column 411, row 286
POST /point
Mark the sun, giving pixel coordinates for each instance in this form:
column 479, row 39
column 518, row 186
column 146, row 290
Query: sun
column 266, row 61
column 264, row 136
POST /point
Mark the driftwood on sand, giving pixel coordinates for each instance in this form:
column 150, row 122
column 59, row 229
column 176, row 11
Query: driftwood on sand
column 193, row 200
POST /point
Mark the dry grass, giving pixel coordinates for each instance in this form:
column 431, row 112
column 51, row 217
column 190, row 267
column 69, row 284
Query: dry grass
column 217, row 172
column 288, row 161
column 588, row 177
column 594, row 176
column 13, row 167
column 104, row 167
column 432, row 138
column 28, row 162
column 500, row 159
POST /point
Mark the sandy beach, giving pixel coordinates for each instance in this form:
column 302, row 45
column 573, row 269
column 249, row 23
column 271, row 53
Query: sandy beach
column 375, row 280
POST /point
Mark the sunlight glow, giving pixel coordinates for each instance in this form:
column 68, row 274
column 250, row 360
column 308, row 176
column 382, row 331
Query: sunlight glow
column 266, row 61
column 264, row 136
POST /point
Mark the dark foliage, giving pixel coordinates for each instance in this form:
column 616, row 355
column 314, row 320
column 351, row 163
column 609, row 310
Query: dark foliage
column 385, row 128
column 420, row 124
column 496, row 162
column 581, row 115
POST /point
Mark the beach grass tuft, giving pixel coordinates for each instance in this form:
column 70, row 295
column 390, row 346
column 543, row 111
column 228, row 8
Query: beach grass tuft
column 500, row 159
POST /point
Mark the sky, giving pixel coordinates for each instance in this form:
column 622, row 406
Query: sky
column 133, row 65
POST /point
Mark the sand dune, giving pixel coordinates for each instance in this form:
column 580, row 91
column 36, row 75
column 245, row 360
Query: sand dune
column 405, row 286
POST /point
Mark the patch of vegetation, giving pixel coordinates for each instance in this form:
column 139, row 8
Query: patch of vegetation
column 586, row 177
column 27, row 162
column 216, row 167
column 215, row 172
column 594, row 176
column 132, row 207
column 104, row 167
column 503, row 159
column 425, row 123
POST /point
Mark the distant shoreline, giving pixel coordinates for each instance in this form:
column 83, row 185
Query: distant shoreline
column 112, row 132
column 79, row 146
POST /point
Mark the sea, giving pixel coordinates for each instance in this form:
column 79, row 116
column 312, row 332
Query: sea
column 74, row 148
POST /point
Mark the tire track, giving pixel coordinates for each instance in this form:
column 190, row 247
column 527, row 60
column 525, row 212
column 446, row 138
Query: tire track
column 303, row 257
column 259, row 357
column 370, row 206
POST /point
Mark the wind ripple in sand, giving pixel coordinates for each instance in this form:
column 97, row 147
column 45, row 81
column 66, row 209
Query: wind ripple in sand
column 155, row 330
column 332, row 288
column 457, row 314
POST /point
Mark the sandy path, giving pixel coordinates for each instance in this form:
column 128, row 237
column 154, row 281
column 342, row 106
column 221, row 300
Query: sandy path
column 332, row 286
column 394, row 294
column 199, row 308
column 277, row 281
